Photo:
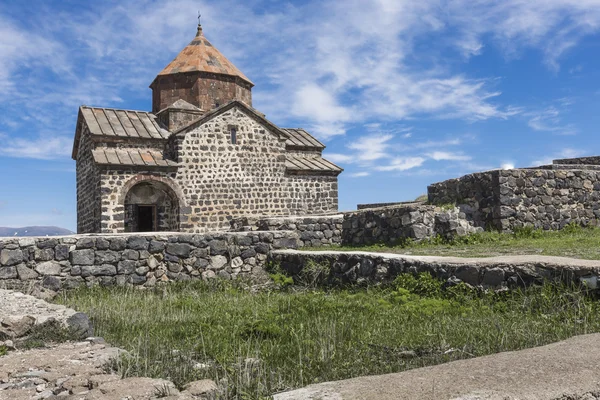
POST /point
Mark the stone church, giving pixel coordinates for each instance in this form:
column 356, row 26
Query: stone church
column 202, row 157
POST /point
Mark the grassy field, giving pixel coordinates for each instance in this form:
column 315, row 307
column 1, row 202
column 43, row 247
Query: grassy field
column 256, row 344
column 573, row 241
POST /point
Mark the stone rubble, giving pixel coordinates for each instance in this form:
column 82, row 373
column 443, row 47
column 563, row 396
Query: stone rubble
column 72, row 370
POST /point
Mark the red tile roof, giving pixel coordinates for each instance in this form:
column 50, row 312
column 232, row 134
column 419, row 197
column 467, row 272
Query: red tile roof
column 201, row 55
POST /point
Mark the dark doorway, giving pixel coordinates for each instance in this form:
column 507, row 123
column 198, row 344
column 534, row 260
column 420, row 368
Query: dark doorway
column 146, row 217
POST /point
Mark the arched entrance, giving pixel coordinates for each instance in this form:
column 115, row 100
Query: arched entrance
column 151, row 206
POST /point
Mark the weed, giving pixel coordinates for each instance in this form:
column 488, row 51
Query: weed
column 256, row 344
column 3, row 350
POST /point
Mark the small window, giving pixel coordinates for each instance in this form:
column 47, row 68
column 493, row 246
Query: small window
column 233, row 131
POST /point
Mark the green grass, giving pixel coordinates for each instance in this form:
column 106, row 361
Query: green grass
column 573, row 241
column 256, row 344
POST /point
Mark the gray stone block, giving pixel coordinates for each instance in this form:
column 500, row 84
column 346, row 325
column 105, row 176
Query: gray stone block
column 82, row 257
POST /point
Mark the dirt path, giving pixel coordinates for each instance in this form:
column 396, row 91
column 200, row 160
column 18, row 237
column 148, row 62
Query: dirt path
column 566, row 370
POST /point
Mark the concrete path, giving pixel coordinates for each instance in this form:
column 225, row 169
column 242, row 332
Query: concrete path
column 566, row 370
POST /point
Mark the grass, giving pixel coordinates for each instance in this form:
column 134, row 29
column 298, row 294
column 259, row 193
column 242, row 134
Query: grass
column 573, row 241
column 257, row 344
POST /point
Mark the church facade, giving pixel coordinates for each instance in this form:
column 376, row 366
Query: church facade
column 202, row 157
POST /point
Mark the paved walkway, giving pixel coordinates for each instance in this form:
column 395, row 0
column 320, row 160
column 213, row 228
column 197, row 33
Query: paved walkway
column 567, row 370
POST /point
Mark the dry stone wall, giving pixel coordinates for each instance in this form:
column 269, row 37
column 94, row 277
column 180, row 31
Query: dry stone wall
column 314, row 231
column 136, row 259
column 477, row 196
column 547, row 198
column 495, row 272
column 390, row 225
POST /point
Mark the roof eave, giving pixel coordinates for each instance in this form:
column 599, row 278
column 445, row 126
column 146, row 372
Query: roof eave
column 77, row 138
column 294, row 171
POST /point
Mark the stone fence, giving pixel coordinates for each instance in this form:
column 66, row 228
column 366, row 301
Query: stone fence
column 393, row 224
column 494, row 272
column 314, row 231
column 138, row 259
column 509, row 199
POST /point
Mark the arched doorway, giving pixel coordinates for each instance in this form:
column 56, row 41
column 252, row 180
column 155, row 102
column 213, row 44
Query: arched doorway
column 151, row 206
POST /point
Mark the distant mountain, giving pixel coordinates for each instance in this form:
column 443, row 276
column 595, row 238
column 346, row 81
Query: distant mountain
column 35, row 231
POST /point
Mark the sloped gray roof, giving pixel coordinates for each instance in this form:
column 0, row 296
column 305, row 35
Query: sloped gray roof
column 123, row 123
column 131, row 157
column 314, row 164
column 298, row 137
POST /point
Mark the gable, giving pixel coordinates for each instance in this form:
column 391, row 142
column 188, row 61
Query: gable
column 240, row 107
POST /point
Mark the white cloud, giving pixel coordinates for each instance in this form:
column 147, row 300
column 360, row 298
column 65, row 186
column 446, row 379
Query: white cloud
column 507, row 165
column 438, row 143
column 339, row 158
column 447, row 156
column 359, row 174
column 42, row 148
column 371, row 148
column 548, row 120
column 325, row 64
column 402, row 164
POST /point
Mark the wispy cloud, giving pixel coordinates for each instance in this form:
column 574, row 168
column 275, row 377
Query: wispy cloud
column 330, row 65
column 359, row 174
column 448, row 156
column 402, row 164
column 42, row 148
column 548, row 120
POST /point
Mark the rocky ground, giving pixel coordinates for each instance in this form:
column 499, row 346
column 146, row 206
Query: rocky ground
column 71, row 370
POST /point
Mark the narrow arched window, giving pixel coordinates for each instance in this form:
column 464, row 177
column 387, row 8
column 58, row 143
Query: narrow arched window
column 233, row 131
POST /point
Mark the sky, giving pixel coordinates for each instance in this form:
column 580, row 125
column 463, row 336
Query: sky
column 404, row 93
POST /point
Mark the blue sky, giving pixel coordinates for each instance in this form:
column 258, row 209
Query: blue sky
column 403, row 93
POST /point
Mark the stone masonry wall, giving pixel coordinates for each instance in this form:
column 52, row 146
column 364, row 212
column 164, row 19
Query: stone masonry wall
column 222, row 181
column 477, row 196
column 390, row 225
column 88, row 196
column 548, row 199
column 509, row 199
column 314, row 231
column 116, row 183
column 204, row 90
column 494, row 273
column 137, row 259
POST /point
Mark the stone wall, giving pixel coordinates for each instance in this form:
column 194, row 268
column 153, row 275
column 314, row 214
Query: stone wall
column 314, row 231
column 540, row 197
column 548, row 199
column 390, row 225
column 137, row 259
column 204, row 90
column 88, row 190
column 477, row 196
column 495, row 272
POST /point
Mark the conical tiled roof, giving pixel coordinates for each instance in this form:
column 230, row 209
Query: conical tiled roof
column 201, row 55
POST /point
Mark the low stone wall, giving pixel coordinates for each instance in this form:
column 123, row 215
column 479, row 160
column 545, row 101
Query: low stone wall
column 548, row 199
column 137, row 259
column 494, row 272
column 314, row 231
column 477, row 195
column 539, row 197
column 391, row 224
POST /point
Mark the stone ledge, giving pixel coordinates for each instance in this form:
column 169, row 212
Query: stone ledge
column 493, row 272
